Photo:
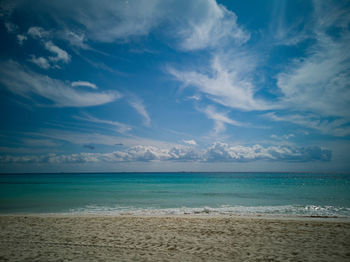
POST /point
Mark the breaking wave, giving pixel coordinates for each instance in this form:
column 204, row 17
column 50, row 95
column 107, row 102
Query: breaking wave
column 287, row 210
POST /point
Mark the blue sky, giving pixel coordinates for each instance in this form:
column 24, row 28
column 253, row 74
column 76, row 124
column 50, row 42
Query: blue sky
column 154, row 85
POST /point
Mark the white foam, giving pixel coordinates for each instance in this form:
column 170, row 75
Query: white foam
column 294, row 210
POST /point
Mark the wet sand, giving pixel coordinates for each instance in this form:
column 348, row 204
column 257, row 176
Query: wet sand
column 192, row 238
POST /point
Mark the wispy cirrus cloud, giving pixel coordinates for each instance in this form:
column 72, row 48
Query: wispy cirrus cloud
column 220, row 119
column 315, row 87
column 120, row 127
column 319, row 83
column 227, row 85
column 84, row 83
column 209, row 25
column 75, row 39
column 140, row 108
column 336, row 127
column 195, row 25
column 24, row 82
column 95, row 137
column 32, row 142
column 316, row 84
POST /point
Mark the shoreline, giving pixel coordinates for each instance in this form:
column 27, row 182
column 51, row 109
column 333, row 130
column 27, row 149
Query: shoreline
column 200, row 216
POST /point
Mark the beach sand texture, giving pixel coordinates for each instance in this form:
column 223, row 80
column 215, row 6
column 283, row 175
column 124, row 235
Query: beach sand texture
column 118, row 238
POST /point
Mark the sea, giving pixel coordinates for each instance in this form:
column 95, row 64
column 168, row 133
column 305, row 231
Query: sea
column 282, row 194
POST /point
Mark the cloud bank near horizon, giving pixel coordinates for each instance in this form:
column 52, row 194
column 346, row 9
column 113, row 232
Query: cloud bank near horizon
column 217, row 152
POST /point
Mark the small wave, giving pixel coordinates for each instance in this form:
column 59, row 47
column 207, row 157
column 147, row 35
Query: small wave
column 294, row 210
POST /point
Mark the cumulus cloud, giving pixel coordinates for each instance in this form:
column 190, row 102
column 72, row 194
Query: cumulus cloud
column 225, row 152
column 218, row 152
column 84, row 83
column 28, row 84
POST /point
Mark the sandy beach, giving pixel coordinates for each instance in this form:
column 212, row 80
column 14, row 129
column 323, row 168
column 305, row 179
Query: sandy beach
column 137, row 238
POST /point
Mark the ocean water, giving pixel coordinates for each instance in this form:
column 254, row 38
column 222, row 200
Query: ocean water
column 301, row 194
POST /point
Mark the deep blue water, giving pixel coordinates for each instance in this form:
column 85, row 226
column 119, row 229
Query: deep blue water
column 271, row 193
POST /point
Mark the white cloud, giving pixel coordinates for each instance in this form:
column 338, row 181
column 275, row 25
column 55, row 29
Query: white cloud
column 218, row 152
column 38, row 32
column 288, row 136
column 21, row 39
column 10, row 27
column 284, row 137
column 119, row 20
column 190, row 142
column 222, row 151
column 209, row 24
column 284, row 33
column 319, row 83
column 60, row 54
column 220, row 119
column 316, row 87
column 335, row 127
column 26, row 83
column 194, row 25
column 121, row 128
column 75, row 39
column 226, row 84
column 40, row 61
column 137, row 104
column 194, row 97
column 84, row 83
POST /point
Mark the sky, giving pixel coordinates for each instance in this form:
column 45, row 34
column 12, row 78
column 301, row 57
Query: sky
column 174, row 85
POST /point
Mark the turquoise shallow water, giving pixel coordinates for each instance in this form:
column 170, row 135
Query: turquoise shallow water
column 309, row 194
